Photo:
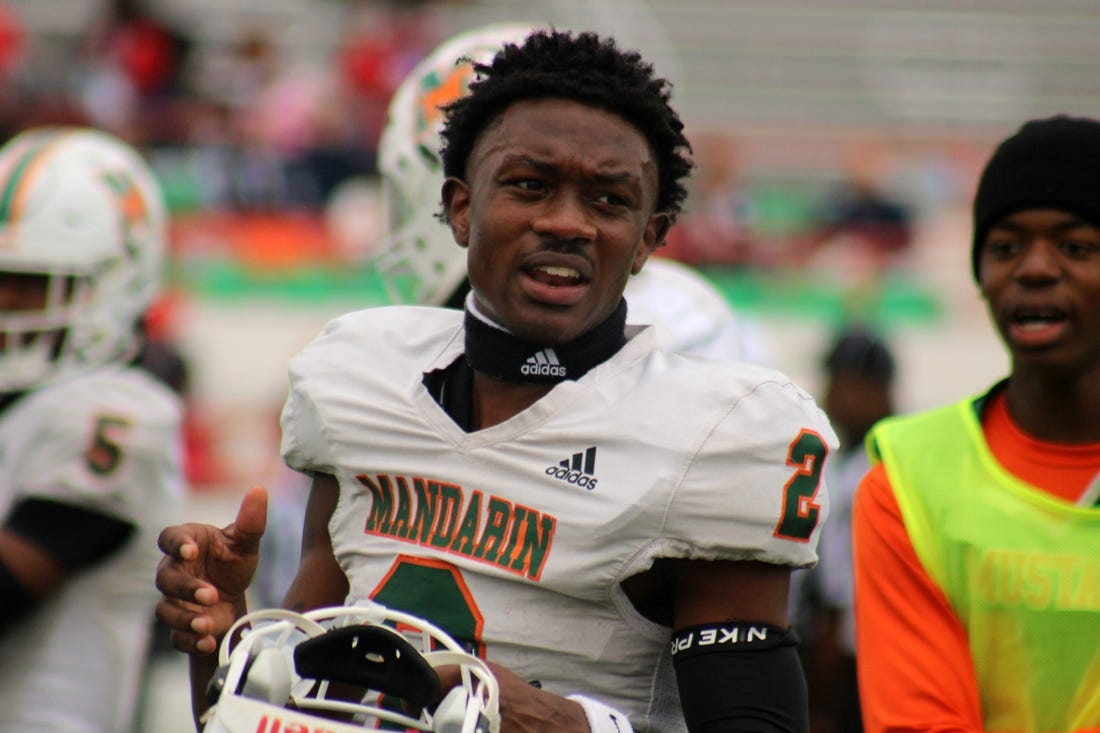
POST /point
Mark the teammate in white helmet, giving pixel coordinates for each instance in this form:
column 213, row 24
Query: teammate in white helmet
column 610, row 524
column 89, row 444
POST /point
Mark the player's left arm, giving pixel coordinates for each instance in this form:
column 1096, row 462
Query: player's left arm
column 735, row 656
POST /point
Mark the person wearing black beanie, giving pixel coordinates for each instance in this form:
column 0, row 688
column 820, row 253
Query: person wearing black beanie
column 976, row 531
column 1048, row 162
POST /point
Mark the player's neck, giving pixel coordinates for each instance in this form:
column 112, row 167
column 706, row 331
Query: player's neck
column 493, row 351
column 1058, row 411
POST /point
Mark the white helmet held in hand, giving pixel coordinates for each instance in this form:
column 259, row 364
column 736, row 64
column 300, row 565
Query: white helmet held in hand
column 419, row 260
column 81, row 212
column 277, row 669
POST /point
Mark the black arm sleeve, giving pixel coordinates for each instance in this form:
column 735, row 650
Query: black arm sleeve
column 76, row 536
column 15, row 600
column 732, row 681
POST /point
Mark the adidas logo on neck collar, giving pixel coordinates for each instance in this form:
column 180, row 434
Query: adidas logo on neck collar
column 543, row 362
column 494, row 351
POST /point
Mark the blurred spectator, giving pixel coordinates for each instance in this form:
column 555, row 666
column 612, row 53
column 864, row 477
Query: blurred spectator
column 381, row 47
column 859, row 371
column 144, row 47
column 136, row 60
column 716, row 230
column 861, row 221
column 11, row 39
column 12, row 43
column 236, row 73
column 161, row 356
column 269, row 135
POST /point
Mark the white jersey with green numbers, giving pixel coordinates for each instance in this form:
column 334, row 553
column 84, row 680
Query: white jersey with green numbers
column 515, row 538
column 107, row 441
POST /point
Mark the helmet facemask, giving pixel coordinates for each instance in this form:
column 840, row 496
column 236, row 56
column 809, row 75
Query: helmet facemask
column 32, row 337
column 297, row 669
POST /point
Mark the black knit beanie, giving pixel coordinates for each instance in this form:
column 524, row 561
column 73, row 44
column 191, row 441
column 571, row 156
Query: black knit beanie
column 1050, row 162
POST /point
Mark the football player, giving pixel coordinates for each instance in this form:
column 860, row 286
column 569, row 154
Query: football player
column 610, row 524
column 89, row 444
column 421, row 265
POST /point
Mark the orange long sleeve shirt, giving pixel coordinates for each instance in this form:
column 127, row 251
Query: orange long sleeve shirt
column 914, row 664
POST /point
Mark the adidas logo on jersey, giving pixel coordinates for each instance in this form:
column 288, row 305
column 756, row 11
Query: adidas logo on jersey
column 579, row 469
column 543, row 362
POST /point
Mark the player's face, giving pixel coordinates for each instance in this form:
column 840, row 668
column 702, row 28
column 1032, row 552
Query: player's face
column 20, row 293
column 557, row 211
column 1040, row 274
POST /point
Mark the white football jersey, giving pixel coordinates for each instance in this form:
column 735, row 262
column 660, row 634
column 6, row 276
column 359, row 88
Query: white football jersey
column 110, row 441
column 515, row 538
column 690, row 314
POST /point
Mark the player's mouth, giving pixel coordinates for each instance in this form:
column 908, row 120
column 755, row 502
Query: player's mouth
column 556, row 276
column 1036, row 327
column 555, row 284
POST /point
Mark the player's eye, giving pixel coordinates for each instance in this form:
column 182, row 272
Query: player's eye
column 529, row 184
column 611, row 199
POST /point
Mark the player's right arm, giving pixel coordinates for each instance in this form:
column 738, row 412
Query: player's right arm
column 320, row 581
column 206, row 571
column 203, row 577
column 915, row 670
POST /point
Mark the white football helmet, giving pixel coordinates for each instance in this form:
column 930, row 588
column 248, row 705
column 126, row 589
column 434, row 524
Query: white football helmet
column 277, row 669
column 80, row 208
column 419, row 260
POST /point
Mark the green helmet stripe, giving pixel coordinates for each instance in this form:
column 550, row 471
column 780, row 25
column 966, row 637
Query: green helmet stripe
column 36, row 144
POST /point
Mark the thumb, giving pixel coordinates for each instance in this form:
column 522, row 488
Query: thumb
column 251, row 518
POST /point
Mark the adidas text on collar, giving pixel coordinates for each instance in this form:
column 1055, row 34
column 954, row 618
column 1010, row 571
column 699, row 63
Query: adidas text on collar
column 543, row 362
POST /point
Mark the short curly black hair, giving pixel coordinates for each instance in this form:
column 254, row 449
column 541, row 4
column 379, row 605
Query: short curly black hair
column 582, row 67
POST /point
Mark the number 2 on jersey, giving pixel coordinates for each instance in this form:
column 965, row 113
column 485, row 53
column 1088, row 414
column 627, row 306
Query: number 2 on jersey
column 800, row 512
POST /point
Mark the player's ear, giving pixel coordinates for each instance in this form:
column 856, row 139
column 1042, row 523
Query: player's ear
column 652, row 238
column 456, row 206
